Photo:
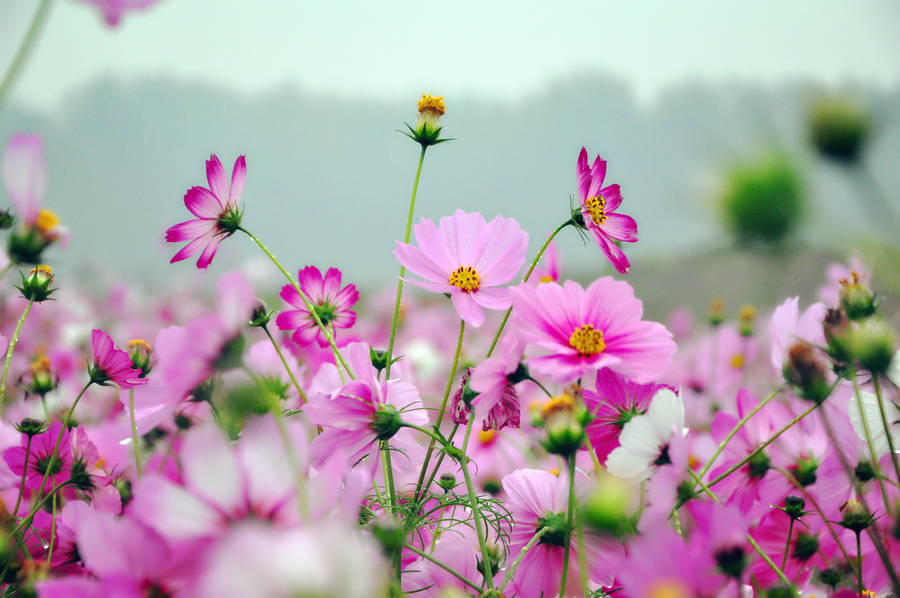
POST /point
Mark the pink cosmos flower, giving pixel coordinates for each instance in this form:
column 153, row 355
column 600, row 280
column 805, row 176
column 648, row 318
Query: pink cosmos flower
column 468, row 258
column 580, row 331
column 331, row 302
column 216, row 210
column 539, row 499
column 598, row 207
column 25, row 175
column 38, row 465
column 113, row 10
column 616, row 401
column 110, row 365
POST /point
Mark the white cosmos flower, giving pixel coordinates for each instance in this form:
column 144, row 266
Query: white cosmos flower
column 645, row 439
column 894, row 370
column 870, row 407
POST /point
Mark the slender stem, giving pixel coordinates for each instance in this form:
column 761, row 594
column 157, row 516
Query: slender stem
column 735, row 430
column 9, row 352
column 420, row 490
column 887, row 427
column 62, row 431
column 21, row 57
column 52, row 528
column 865, row 424
column 285, row 364
column 787, row 547
column 534, row 264
column 299, row 479
column 760, row 448
column 446, row 568
column 476, row 512
column 134, row 434
column 859, row 576
column 437, row 465
column 569, row 516
column 512, row 569
column 392, row 496
column 24, row 473
column 396, row 317
column 306, row 302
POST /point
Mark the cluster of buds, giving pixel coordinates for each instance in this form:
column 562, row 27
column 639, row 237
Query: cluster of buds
column 855, row 332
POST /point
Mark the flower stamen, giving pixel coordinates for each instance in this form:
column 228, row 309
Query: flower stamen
column 596, row 207
column 46, row 221
column 466, row 279
column 587, row 340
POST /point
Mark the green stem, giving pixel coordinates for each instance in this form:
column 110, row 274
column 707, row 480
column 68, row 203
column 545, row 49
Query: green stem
column 865, row 424
column 25, row 48
column 787, row 547
column 299, row 479
column 9, row 352
column 285, row 364
column 396, row 318
column 420, row 490
column 887, row 427
column 476, row 512
column 306, row 302
column 24, row 472
column 859, row 576
column 392, row 496
column 760, row 448
column 534, row 264
column 569, row 516
column 134, row 434
column 62, row 430
column 512, row 569
column 735, row 430
column 437, row 466
column 446, row 568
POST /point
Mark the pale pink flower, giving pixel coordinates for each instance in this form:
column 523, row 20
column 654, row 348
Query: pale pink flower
column 25, row 175
column 468, row 258
column 598, row 206
column 788, row 327
column 216, row 210
column 539, row 499
column 578, row 331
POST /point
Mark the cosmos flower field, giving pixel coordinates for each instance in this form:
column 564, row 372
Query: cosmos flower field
column 483, row 426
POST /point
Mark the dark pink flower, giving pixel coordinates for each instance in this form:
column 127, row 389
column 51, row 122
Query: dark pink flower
column 598, row 206
column 578, row 331
column 216, row 210
column 39, row 463
column 111, row 365
column 331, row 303
column 113, row 10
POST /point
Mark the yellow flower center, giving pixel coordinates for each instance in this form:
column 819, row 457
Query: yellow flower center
column 46, row 221
column 737, row 362
column 42, row 269
column 596, row 207
column 668, row 589
column 587, row 340
column 432, row 104
column 547, row 278
column 563, row 402
column 41, row 365
column 466, row 279
column 486, row 437
column 139, row 344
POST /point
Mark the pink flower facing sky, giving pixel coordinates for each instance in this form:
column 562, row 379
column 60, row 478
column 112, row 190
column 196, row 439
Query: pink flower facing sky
column 216, row 210
column 598, row 206
column 111, row 365
column 25, row 175
column 579, row 331
column 331, row 302
column 468, row 258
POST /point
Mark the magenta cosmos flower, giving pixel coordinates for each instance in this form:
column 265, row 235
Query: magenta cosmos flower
column 331, row 303
column 110, row 365
column 468, row 258
column 216, row 210
column 598, row 206
column 580, row 331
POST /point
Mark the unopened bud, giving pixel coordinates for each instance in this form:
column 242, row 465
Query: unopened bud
column 873, row 345
column 717, row 311
column 836, row 326
column 855, row 516
column 36, row 286
column 856, row 297
column 428, row 124
column 746, row 318
column 793, row 506
column 30, row 426
column 564, row 422
column 260, row 315
column 839, row 128
column 805, row 372
column 139, row 350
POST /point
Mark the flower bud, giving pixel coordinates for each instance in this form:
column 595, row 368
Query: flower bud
column 857, row 299
column 717, row 311
column 839, row 128
column 564, row 421
column 447, row 481
column 606, row 509
column 39, row 379
column 390, row 534
column 36, row 287
column 855, row 516
column 793, row 506
column 30, row 426
column 260, row 316
column 732, row 560
column 836, row 326
column 139, row 350
column 873, row 345
column 386, row 422
column 746, row 317
column 428, row 125
column 6, row 219
column 806, row 546
column 805, row 372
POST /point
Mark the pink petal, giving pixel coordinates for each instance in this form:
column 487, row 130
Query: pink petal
column 201, row 202
column 238, row 178
column 25, row 174
column 189, row 230
column 218, row 184
column 613, row 197
column 467, row 308
column 621, row 227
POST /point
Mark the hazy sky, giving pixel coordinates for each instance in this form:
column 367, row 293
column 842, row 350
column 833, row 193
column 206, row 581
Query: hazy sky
column 496, row 49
